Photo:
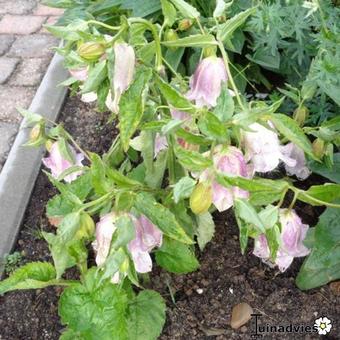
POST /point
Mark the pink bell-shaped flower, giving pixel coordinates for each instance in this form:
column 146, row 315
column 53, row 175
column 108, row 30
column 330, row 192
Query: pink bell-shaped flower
column 300, row 170
column 104, row 231
column 124, row 67
column 293, row 232
column 147, row 237
column 263, row 148
column 206, row 83
column 57, row 164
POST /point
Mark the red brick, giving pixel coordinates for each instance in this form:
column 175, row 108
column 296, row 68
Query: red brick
column 45, row 10
column 17, row 24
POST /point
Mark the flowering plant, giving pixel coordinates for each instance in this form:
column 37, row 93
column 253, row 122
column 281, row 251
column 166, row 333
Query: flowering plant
column 186, row 146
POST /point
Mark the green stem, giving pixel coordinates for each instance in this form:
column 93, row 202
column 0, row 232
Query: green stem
column 156, row 38
column 109, row 27
column 282, row 198
column 232, row 83
column 100, row 200
column 77, row 145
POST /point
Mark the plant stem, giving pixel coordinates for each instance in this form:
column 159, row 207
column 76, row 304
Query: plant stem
column 156, row 38
column 77, row 145
column 109, row 27
column 232, row 83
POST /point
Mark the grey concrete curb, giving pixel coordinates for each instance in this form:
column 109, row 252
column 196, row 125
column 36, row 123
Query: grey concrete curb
column 21, row 169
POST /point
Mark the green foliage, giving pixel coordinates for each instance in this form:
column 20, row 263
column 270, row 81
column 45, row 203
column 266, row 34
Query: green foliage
column 323, row 263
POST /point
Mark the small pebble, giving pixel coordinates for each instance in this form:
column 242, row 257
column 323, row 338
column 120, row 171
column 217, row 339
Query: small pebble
column 240, row 315
column 231, row 290
column 199, row 291
column 244, row 329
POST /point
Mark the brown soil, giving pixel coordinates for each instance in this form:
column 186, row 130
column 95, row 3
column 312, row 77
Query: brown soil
column 200, row 303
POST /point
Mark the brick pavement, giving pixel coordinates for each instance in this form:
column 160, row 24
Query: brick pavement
column 25, row 52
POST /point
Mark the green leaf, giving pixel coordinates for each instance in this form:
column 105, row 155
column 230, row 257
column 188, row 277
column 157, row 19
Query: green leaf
column 320, row 194
column 273, row 236
column 154, row 177
column 269, row 216
column 247, row 212
column 176, row 257
column 146, row 316
column 265, row 59
column 243, row 233
column 205, row 229
column 99, row 313
column 169, row 12
column 291, row 130
column 69, row 226
column 225, row 107
column 197, row 40
column 30, row 276
column 125, row 232
column 96, row 76
column 160, row 216
column 131, row 105
column 173, row 97
column 212, row 127
column 331, row 173
column 323, row 263
column 183, row 188
column 186, row 10
column 226, row 30
column 192, row 160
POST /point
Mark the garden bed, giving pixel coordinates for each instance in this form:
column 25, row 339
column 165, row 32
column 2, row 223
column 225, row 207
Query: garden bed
column 199, row 304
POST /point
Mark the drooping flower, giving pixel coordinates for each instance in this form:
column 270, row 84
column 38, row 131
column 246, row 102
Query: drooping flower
column 229, row 161
column 300, row 170
column 293, row 232
column 206, row 83
column 124, row 67
column 104, row 231
column 148, row 236
column 263, row 148
column 80, row 74
column 58, row 164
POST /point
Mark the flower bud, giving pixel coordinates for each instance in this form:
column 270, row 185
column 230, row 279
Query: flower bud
column 319, row 148
column 91, row 50
column 171, row 35
column 86, row 227
column 48, row 145
column 201, row 199
column 301, row 115
column 185, row 24
column 37, row 133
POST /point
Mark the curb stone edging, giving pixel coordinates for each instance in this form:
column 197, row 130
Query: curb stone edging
column 22, row 167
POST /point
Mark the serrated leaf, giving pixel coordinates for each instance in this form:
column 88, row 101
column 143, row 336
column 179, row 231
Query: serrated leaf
column 131, row 106
column 95, row 314
column 186, row 9
column 197, row 40
column 321, row 194
column 176, row 257
column 96, row 76
column 146, row 316
column 323, row 263
column 30, row 276
column 183, row 188
column 291, row 130
column 225, row 107
column 212, row 127
column 205, row 229
column 160, row 216
column 173, row 97
column 226, row 30
column 192, row 160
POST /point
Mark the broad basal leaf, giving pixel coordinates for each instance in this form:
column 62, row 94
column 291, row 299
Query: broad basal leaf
column 30, row 276
column 323, row 263
column 176, row 257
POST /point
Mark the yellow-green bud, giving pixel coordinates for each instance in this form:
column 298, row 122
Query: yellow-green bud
column 91, row 50
column 201, row 198
column 36, row 133
column 48, row 145
column 185, row 24
column 171, row 35
column 319, row 148
column 300, row 115
column 86, row 227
